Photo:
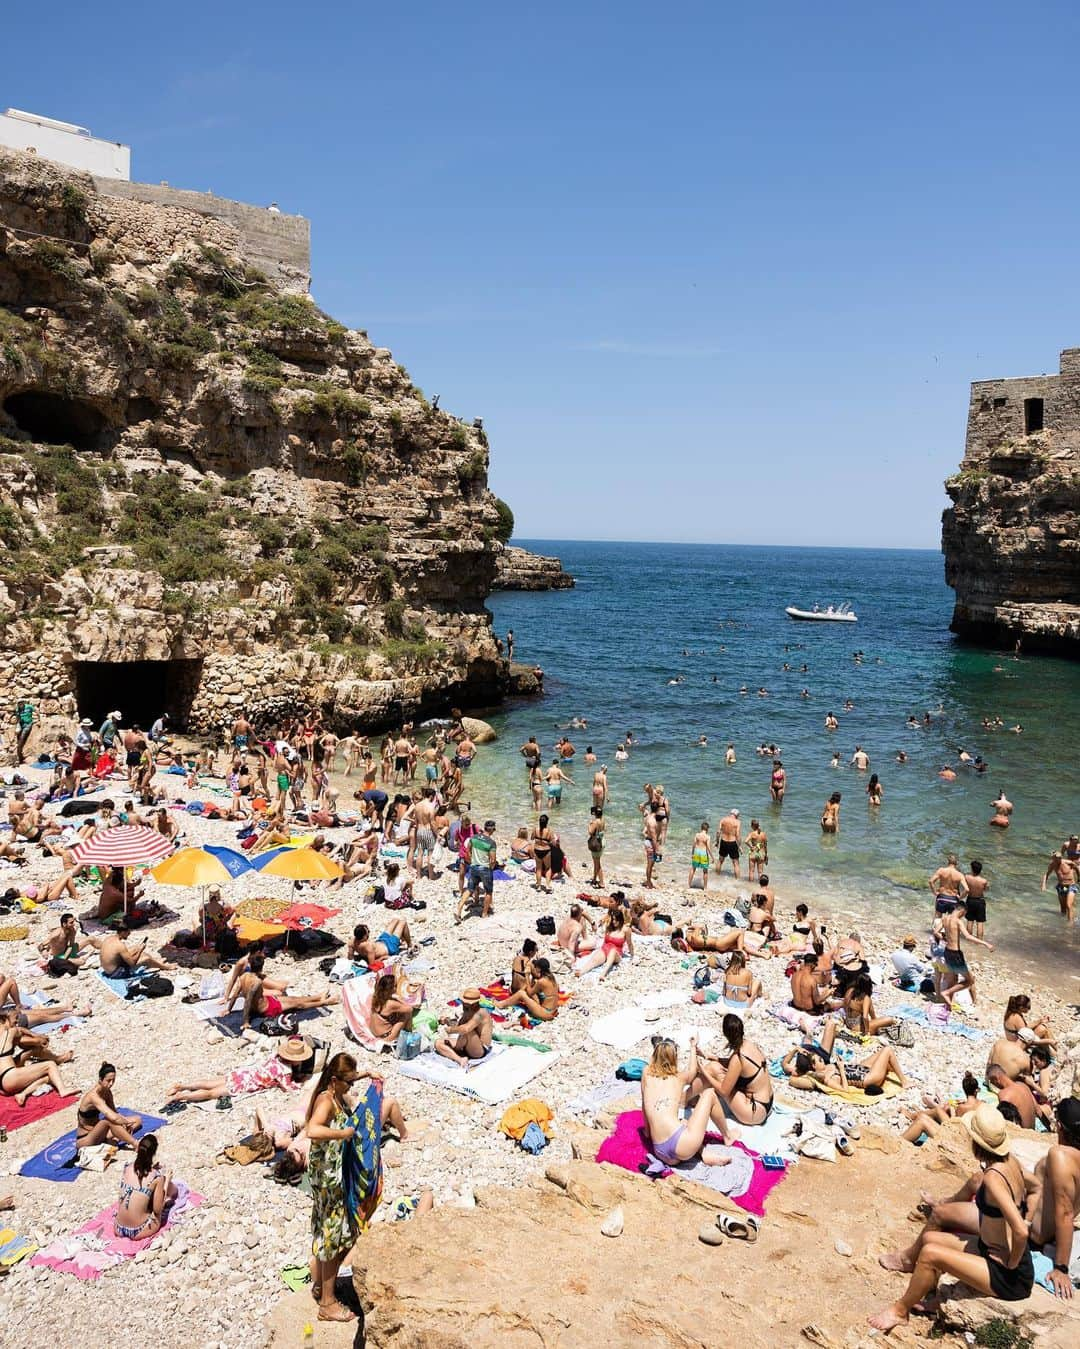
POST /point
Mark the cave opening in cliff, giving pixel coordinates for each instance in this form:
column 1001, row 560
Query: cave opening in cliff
column 140, row 690
column 53, row 419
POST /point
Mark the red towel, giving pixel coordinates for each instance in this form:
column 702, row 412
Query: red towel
column 13, row 1116
column 316, row 915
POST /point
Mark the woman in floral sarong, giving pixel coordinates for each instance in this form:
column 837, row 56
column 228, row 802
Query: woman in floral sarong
column 333, row 1231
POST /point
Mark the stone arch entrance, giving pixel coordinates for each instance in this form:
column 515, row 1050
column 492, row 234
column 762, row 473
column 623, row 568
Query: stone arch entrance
column 139, row 689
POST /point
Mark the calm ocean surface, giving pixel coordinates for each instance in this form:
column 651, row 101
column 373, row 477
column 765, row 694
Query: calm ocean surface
column 609, row 646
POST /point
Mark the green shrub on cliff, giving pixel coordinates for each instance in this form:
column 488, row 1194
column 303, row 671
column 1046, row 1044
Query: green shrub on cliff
column 505, row 527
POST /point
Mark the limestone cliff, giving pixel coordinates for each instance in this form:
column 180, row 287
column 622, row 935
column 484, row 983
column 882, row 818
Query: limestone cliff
column 201, row 471
column 518, row 569
column 1011, row 544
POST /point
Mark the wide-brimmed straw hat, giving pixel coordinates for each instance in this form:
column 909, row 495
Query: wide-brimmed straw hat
column 987, row 1127
column 471, row 995
column 294, row 1050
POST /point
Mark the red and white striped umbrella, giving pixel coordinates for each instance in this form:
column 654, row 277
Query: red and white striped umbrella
column 127, row 845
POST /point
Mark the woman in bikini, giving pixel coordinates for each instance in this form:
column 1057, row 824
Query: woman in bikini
column 617, row 939
column 858, row 1009
column 935, row 1112
column 145, row 1193
column 874, row 790
column 538, row 995
column 1000, row 1265
column 778, row 781
column 97, row 1118
column 19, row 1079
column 521, row 966
column 741, row 988
column 697, row 938
column 757, row 850
column 744, row 1086
column 830, row 815
column 543, row 840
column 663, row 1089
column 869, row 1076
column 259, row 1003
column 1019, row 1028
column 390, row 1014
column 646, row 920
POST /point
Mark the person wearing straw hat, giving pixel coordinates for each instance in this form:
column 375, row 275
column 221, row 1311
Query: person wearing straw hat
column 469, row 1037
column 1000, row 1265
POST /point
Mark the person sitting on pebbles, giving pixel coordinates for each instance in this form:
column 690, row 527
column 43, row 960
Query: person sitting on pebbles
column 18, row 1077
column 574, row 931
column 97, row 1118
column 385, row 947
column 538, row 995
column 665, row 1094
column 469, row 1037
column 259, row 1003
column 120, row 961
column 390, row 1012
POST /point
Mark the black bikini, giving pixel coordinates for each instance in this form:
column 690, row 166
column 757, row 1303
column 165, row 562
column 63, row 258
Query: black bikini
column 1010, row 1285
column 741, row 1084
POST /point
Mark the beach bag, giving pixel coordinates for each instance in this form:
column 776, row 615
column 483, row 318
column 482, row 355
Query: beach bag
column 702, row 976
column 150, row 986
column 546, row 926
column 901, row 1034
column 408, row 1044
column 630, row 1070
column 283, row 1025
column 375, row 894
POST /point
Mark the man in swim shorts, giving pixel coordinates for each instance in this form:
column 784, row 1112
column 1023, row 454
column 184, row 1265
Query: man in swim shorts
column 947, row 885
column 728, row 837
column 1065, row 873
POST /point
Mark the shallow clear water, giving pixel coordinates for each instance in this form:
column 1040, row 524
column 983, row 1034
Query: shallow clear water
column 609, row 646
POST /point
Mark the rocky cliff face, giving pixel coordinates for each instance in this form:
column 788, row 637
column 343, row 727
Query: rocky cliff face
column 1011, row 542
column 518, row 569
column 202, row 472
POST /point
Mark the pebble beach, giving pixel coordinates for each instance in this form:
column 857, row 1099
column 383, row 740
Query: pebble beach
column 223, row 1265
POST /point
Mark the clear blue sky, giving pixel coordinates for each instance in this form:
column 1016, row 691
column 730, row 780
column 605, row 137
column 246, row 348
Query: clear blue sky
column 707, row 273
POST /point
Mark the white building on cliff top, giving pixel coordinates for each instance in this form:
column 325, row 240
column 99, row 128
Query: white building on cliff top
column 65, row 143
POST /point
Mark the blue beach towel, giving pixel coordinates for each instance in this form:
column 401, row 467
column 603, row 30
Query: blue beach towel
column 119, row 987
column 50, row 1162
column 919, row 1017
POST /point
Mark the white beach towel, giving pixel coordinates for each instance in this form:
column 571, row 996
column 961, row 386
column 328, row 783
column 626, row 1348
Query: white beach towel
column 664, row 997
column 623, row 1029
column 492, row 1080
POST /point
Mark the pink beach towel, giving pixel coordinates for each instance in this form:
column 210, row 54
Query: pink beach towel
column 70, row 1255
column 628, row 1147
column 356, row 1004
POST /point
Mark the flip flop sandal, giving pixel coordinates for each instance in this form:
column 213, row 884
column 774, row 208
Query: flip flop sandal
column 738, row 1229
column 843, row 1146
column 710, row 1234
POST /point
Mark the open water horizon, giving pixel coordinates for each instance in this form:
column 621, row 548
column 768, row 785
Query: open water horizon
column 643, row 613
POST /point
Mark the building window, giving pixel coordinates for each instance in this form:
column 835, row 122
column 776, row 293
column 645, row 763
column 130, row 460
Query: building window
column 1000, row 402
column 1033, row 416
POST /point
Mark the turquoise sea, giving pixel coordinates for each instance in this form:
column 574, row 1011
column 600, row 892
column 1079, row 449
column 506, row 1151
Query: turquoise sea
column 642, row 614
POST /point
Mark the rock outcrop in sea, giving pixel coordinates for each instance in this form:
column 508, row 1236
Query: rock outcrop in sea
column 518, row 569
column 1011, row 540
column 213, row 495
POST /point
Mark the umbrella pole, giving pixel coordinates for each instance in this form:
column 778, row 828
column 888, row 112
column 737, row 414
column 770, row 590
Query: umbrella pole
column 202, row 913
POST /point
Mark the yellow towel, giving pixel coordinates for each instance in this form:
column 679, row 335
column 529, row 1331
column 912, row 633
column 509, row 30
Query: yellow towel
column 250, row 929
